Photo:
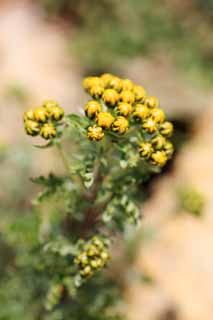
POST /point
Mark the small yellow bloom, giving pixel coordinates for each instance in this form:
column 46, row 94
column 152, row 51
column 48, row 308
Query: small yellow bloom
column 169, row 149
column 110, row 97
column 150, row 125
column 140, row 93
column 115, row 83
column 145, row 150
column 159, row 158
column 104, row 119
column 86, row 272
column 90, row 82
column 92, row 108
column 31, row 127
column 141, row 111
column 166, row 129
column 120, row 125
column 157, row 114
column 29, row 115
column 127, row 85
column 158, row 142
column 95, row 133
column 40, row 114
column 50, row 104
column 48, row 131
column 124, row 108
column 152, row 102
column 127, row 96
column 96, row 91
column 106, row 78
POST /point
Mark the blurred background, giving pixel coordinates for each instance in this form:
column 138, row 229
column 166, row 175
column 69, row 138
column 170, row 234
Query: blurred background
column 46, row 48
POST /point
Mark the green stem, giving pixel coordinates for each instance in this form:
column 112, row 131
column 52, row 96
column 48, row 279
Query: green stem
column 63, row 157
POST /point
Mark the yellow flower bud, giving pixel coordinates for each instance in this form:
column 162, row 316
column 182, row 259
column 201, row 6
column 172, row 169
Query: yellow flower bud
column 124, row 108
column 31, row 127
column 145, row 150
column 141, row 111
column 169, row 149
column 140, row 93
column 105, row 256
column 94, row 264
column 92, row 108
column 158, row 142
column 166, row 129
column 157, row 114
column 96, row 91
column 106, row 78
column 40, row 114
column 120, row 125
column 97, row 242
column 90, row 82
column 95, row 133
column 57, row 113
column 150, row 125
column 86, row 272
column 115, row 83
column 104, row 119
column 159, row 158
column 127, row 96
column 29, row 115
column 110, row 97
column 48, row 131
column 127, row 85
column 83, row 259
column 50, row 104
column 152, row 102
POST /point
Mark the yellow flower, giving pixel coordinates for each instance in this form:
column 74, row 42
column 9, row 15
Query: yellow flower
column 95, row 133
column 145, row 150
column 127, row 85
column 29, row 115
column 96, row 91
column 106, row 78
column 157, row 114
column 127, row 96
column 159, row 158
column 124, row 108
column 86, row 272
column 169, row 149
column 48, row 131
column 152, row 102
column 120, row 125
column 92, row 108
column 115, row 83
column 141, row 111
column 40, row 114
column 166, row 129
column 31, row 127
column 90, row 82
column 158, row 142
column 110, row 97
column 104, row 119
column 53, row 109
column 150, row 125
column 140, row 93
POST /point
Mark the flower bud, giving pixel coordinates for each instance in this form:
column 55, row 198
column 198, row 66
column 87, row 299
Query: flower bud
column 141, row 111
column 124, row 108
column 127, row 85
column 31, row 127
column 158, row 142
column 149, row 125
column 140, row 93
column 166, row 129
column 29, row 115
column 110, row 97
column 95, row 133
column 120, row 125
column 159, row 158
column 104, row 119
column 145, row 150
column 157, row 114
column 48, row 131
column 96, row 91
column 106, row 78
column 152, row 102
column 115, row 83
column 169, row 149
column 127, row 96
column 40, row 114
column 90, row 82
column 92, row 108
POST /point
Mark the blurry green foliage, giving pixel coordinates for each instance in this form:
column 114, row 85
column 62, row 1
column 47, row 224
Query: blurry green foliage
column 191, row 200
column 105, row 33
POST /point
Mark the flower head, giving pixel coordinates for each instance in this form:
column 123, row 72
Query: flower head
column 48, row 131
column 120, row 125
column 95, row 133
column 104, row 119
column 110, row 97
column 92, row 108
column 124, row 108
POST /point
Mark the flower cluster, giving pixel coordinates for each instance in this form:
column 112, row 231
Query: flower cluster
column 93, row 257
column 119, row 105
column 43, row 120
